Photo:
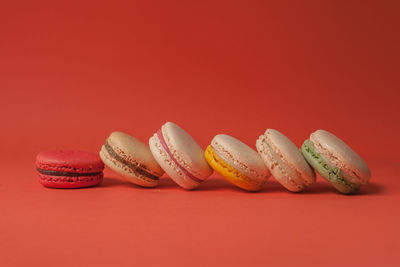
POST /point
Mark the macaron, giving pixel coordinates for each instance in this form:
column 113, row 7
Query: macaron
column 180, row 156
column 336, row 162
column 131, row 159
column 69, row 169
column 237, row 162
column 285, row 161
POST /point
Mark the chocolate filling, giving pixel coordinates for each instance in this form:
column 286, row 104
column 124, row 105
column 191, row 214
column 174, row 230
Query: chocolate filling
column 68, row 174
column 134, row 167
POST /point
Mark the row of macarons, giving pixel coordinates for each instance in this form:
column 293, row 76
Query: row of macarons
column 173, row 151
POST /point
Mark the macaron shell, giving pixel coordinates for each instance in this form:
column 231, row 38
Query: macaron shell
column 69, row 160
column 230, row 173
column 70, row 182
column 186, row 150
column 172, row 170
column 135, row 151
column 285, row 161
column 240, row 156
column 341, row 154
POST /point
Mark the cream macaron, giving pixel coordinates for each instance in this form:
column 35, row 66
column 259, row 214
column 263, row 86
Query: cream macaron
column 285, row 161
column 180, row 156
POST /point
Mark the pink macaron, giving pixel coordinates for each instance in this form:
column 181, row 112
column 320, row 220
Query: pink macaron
column 285, row 161
column 69, row 169
column 180, row 156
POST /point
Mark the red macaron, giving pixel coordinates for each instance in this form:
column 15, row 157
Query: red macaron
column 69, row 169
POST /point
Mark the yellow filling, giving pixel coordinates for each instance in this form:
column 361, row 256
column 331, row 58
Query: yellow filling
column 230, row 173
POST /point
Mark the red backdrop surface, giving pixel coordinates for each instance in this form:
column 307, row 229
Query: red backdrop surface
column 71, row 72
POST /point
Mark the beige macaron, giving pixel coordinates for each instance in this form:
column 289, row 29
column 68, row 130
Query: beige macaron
column 131, row 158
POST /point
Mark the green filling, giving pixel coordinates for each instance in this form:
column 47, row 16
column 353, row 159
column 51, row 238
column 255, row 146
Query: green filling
column 331, row 174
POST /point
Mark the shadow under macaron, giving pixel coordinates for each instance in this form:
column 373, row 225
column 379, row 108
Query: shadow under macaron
column 372, row 189
column 113, row 182
column 219, row 184
column 323, row 187
column 211, row 184
column 320, row 187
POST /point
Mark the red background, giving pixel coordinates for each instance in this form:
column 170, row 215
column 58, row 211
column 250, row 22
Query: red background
column 71, row 72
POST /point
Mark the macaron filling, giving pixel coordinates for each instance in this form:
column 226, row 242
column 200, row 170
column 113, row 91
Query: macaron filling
column 166, row 148
column 135, row 167
column 334, row 174
column 67, row 174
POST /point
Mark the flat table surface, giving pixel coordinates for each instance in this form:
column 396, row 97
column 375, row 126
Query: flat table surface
column 72, row 72
column 120, row 224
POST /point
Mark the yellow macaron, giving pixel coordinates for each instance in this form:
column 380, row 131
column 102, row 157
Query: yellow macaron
column 237, row 162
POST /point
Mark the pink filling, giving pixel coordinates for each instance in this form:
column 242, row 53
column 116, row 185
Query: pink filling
column 165, row 146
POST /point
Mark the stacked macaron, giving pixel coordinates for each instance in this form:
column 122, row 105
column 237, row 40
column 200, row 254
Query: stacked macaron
column 173, row 151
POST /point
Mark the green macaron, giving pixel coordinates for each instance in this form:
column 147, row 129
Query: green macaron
column 336, row 162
